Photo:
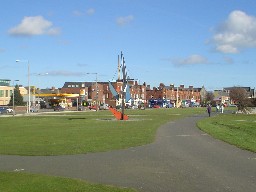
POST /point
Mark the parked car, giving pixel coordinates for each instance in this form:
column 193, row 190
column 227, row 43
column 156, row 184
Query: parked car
column 104, row 106
column 34, row 109
column 93, row 107
column 58, row 108
column 81, row 108
column 9, row 110
column 3, row 110
column 232, row 105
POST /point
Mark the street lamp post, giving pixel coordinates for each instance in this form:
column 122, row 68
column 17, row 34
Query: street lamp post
column 28, row 108
column 96, row 89
column 13, row 103
column 39, row 91
column 177, row 97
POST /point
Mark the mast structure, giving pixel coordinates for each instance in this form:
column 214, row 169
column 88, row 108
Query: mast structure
column 124, row 73
column 124, row 93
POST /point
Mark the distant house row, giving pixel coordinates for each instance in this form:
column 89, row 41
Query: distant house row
column 91, row 93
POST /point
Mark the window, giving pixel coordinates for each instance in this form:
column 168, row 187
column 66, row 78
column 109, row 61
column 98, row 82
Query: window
column 6, row 93
column 69, row 85
column 1, row 93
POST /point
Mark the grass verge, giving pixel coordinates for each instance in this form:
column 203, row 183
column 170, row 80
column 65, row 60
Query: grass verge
column 24, row 182
column 236, row 129
column 79, row 133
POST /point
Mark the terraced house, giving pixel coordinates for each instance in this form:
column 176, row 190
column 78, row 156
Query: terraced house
column 177, row 95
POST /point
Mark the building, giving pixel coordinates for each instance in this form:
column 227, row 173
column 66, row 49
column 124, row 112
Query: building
column 137, row 93
column 221, row 96
column 251, row 92
column 6, row 91
column 91, row 93
column 177, row 96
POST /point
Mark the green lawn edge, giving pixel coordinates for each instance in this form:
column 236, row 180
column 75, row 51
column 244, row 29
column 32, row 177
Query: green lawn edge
column 236, row 129
column 26, row 182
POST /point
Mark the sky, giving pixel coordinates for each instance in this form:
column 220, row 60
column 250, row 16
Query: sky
column 210, row 43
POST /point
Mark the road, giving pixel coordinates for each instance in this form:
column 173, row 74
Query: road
column 182, row 159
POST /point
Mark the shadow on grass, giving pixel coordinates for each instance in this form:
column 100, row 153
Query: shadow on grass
column 77, row 118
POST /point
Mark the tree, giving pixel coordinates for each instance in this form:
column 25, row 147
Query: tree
column 240, row 97
column 253, row 102
column 209, row 97
column 18, row 99
column 161, row 86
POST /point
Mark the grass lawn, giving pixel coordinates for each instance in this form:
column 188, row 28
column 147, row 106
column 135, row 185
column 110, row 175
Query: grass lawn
column 83, row 132
column 75, row 133
column 236, row 129
column 24, row 182
column 79, row 133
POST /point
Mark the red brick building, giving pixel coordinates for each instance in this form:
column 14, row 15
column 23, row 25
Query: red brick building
column 171, row 93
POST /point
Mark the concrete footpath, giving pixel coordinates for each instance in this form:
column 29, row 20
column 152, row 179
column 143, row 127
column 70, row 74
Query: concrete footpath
column 182, row 159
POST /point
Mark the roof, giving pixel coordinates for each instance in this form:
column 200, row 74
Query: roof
column 248, row 89
column 78, row 84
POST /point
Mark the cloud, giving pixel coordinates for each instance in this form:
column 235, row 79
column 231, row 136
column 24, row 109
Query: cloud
column 236, row 33
column 121, row 21
column 90, row 11
column 78, row 13
column 36, row 25
column 191, row 60
column 64, row 73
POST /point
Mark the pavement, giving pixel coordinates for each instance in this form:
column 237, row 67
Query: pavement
column 182, row 159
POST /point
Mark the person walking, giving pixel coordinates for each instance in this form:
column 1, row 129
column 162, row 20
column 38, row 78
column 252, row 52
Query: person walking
column 217, row 108
column 209, row 110
column 222, row 108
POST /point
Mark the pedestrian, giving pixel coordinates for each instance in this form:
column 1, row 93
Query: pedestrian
column 209, row 110
column 217, row 108
column 222, row 108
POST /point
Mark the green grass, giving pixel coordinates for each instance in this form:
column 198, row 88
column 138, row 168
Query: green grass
column 75, row 133
column 24, row 182
column 79, row 133
column 236, row 129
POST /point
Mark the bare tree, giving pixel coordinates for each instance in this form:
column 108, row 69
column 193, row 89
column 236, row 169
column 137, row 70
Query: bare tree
column 161, row 86
column 209, row 97
column 240, row 97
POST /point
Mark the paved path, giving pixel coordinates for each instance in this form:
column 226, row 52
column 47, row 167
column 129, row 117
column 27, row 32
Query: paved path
column 182, row 159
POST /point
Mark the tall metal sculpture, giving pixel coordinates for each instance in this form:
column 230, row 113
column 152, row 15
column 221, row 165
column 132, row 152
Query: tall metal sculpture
column 125, row 93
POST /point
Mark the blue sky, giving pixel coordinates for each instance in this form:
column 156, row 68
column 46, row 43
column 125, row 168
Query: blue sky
column 199, row 42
